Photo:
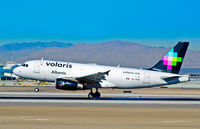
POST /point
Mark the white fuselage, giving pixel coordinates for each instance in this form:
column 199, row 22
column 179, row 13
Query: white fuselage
column 118, row 77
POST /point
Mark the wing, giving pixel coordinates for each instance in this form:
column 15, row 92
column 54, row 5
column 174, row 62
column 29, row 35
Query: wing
column 93, row 78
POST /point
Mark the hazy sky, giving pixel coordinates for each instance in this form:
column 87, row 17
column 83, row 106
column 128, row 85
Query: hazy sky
column 150, row 22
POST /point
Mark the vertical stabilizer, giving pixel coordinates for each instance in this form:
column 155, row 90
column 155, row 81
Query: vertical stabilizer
column 173, row 60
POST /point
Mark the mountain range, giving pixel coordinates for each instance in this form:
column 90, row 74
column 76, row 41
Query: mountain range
column 113, row 53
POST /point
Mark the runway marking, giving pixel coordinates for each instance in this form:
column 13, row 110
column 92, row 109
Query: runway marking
column 77, row 98
column 100, row 102
column 175, row 121
column 86, row 94
column 36, row 120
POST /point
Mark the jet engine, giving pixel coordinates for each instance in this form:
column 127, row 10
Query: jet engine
column 65, row 84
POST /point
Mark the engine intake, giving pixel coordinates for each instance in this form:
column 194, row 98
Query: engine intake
column 65, row 84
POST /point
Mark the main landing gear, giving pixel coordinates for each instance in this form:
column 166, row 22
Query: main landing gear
column 94, row 95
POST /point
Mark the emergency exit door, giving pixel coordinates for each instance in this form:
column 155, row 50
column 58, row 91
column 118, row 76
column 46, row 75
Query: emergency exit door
column 146, row 78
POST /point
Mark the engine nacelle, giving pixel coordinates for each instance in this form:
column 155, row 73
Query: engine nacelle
column 65, row 84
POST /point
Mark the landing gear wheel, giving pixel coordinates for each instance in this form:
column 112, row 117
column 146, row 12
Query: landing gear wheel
column 97, row 95
column 36, row 89
column 91, row 95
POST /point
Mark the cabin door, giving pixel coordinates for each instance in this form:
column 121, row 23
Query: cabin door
column 37, row 67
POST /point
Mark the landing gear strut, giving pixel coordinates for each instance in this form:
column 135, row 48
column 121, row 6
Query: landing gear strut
column 94, row 95
column 37, row 88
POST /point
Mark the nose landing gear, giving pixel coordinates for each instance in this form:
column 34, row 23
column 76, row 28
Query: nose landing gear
column 36, row 89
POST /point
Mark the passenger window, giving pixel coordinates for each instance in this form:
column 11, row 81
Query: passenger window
column 26, row 65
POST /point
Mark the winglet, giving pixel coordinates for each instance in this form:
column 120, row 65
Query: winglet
column 107, row 72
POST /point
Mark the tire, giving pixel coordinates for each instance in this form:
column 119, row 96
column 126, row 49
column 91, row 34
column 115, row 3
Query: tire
column 91, row 95
column 97, row 95
column 36, row 89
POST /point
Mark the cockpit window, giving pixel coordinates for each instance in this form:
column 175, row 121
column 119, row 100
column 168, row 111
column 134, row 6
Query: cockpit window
column 25, row 65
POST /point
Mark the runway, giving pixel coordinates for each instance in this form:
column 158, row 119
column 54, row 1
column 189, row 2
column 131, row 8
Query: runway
column 50, row 110
column 80, row 99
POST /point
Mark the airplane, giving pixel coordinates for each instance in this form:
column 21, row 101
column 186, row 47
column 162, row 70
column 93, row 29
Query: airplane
column 77, row 76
